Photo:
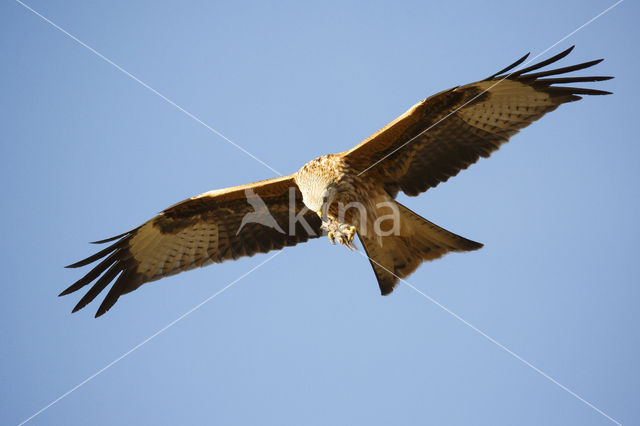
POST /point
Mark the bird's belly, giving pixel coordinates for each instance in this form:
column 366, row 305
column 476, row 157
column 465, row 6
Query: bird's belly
column 360, row 211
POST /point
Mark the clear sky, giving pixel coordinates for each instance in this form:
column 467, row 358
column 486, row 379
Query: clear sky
column 306, row 339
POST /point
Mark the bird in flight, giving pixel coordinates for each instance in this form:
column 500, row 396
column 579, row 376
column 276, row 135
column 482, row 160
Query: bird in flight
column 346, row 194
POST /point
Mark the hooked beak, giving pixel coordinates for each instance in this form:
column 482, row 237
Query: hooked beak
column 319, row 213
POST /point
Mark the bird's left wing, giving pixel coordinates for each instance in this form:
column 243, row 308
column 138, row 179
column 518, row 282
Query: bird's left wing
column 449, row 131
column 208, row 228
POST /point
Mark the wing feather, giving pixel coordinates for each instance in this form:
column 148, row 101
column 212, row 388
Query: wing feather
column 209, row 228
column 446, row 133
column 537, row 65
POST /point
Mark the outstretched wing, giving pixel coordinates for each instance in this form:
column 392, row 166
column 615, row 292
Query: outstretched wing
column 209, row 228
column 446, row 133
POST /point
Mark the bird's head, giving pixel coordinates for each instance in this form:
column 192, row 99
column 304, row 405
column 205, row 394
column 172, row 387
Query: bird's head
column 318, row 199
column 318, row 185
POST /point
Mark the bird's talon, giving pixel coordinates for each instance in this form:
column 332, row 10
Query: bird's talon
column 351, row 233
column 339, row 233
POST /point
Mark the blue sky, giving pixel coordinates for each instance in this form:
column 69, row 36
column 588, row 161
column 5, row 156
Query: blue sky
column 306, row 339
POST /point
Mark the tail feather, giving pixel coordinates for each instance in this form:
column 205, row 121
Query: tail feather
column 398, row 255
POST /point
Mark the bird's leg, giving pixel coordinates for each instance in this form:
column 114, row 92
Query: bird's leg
column 342, row 233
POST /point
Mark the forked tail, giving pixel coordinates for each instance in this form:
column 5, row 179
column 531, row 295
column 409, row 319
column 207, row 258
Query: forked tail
column 397, row 255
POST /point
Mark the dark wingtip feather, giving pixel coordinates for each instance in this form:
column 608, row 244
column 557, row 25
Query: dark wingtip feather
column 82, row 262
column 65, row 292
column 566, row 80
column 541, row 64
column 569, row 91
column 114, row 294
column 99, row 255
column 562, row 70
column 99, row 285
column 595, row 92
column 102, row 310
column 114, row 254
column 510, row 67
column 91, row 275
column 77, row 264
column 561, row 94
column 113, row 238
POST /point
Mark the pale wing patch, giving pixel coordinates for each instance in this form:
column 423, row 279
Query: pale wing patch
column 159, row 254
column 510, row 106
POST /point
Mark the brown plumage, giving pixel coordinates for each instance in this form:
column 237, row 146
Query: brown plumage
column 431, row 142
column 196, row 232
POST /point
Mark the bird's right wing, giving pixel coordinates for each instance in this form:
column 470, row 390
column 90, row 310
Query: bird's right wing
column 208, row 228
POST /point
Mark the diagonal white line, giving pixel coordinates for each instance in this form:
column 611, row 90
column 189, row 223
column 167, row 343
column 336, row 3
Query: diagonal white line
column 145, row 85
column 147, row 340
column 495, row 342
column 492, row 86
